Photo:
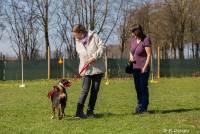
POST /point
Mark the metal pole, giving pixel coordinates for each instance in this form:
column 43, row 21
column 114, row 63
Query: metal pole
column 49, row 63
column 106, row 65
column 158, row 58
column 22, row 65
column 4, row 68
column 152, row 69
column 63, row 66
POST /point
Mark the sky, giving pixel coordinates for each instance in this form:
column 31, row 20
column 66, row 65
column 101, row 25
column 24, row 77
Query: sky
column 5, row 47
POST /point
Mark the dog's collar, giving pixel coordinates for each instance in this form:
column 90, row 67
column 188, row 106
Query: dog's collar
column 60, row 87
column 60, row 84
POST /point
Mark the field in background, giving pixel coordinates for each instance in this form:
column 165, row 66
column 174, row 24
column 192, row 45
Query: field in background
column 174, row 108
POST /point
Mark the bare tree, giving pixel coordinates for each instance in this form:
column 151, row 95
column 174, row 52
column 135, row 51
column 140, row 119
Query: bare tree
column 23, row 31
column 193, row 30
column 172, row 24
column 65, row 22
column 94, row 14
column 124, row 27
column 44, row 16
column 2, row 23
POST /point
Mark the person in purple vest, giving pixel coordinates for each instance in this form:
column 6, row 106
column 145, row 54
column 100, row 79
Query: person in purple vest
column 140, row 53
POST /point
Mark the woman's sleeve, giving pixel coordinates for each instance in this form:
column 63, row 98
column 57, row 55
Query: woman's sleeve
column 147, row 42
column 101, row 48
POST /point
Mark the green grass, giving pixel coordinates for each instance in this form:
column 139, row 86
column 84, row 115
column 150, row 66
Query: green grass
column 174, row 108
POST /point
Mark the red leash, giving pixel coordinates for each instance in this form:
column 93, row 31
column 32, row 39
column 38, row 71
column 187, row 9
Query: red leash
column 84, row 68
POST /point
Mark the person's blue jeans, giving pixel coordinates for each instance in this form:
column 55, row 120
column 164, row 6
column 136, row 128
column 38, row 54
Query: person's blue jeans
column 141, row 86
column 90, row 83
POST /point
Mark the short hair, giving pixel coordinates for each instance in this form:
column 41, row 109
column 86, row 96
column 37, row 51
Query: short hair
column 138, row 31
column 79, row 28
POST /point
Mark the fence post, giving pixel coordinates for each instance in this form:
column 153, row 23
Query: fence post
column 158, row 66
column 49, row 59
column 4, row 67
column 22, row 69
column 63, row 66
column 106, row 65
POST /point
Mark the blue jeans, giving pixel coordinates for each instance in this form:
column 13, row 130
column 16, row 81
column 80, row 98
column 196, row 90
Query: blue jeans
column 90, row 83
column 141, row 86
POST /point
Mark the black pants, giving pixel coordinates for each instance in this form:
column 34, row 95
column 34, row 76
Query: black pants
column 141, row 86
column 90, row 82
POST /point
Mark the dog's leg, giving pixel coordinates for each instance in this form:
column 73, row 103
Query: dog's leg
column 63, row 102
column 59, row 112
column 63, row 105
column 53, row 110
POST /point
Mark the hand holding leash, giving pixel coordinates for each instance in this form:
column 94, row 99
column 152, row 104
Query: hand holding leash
column 90, row 60
column 84, row 68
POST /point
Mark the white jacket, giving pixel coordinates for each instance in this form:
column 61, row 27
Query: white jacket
column 94, row 48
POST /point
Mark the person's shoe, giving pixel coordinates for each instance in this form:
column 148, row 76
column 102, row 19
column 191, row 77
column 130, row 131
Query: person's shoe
column 139, row 109
column 79, row 111
column 145, row 109
column 80, row 116
column 90, row 114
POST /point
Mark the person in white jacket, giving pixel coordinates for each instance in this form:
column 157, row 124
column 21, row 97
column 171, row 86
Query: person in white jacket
column 91, row 51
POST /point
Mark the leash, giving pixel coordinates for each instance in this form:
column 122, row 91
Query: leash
column 84, row 68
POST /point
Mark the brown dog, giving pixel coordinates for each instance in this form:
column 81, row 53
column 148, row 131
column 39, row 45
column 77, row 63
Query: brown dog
column 58, row 97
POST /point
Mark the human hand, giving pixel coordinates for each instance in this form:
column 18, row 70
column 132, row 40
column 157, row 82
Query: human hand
column 132, row 59
column 143, row 70
column 90, row 60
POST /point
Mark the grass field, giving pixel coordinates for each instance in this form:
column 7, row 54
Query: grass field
column 174, row 108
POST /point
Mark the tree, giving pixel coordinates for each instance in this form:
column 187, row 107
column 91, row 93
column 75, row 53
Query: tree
column 193, row 30
column 172, row 24
column 43, row 16
column 23, row 29
column 94, row 14
column 124, row 28
column 2, row 23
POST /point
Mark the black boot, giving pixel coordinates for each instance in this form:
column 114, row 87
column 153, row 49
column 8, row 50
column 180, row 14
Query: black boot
column 140, row 109
column 79, row 111
column 90, row 113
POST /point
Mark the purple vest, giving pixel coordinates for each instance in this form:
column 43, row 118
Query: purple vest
column 139, row 53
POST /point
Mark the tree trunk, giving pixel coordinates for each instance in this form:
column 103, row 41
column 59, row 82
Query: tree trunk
column 166, row 54
column 46, row 39
column 174, row 50
column 181, row 51
column 193, row 54
column 46, row 32
column 197, row 51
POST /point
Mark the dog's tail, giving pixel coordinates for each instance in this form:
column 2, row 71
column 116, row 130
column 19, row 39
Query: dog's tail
column 51, row 92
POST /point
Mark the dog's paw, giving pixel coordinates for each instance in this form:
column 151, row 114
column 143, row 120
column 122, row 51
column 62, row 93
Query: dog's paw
column 63, row 115
column 60, row 117
column 52, row 117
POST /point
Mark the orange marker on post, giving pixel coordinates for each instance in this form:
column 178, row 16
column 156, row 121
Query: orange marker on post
column 60, row 61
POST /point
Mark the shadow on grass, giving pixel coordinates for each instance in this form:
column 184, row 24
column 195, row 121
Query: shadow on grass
column 181, row 110
column 109, row 114
column 99, row 115
column 102, row 115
